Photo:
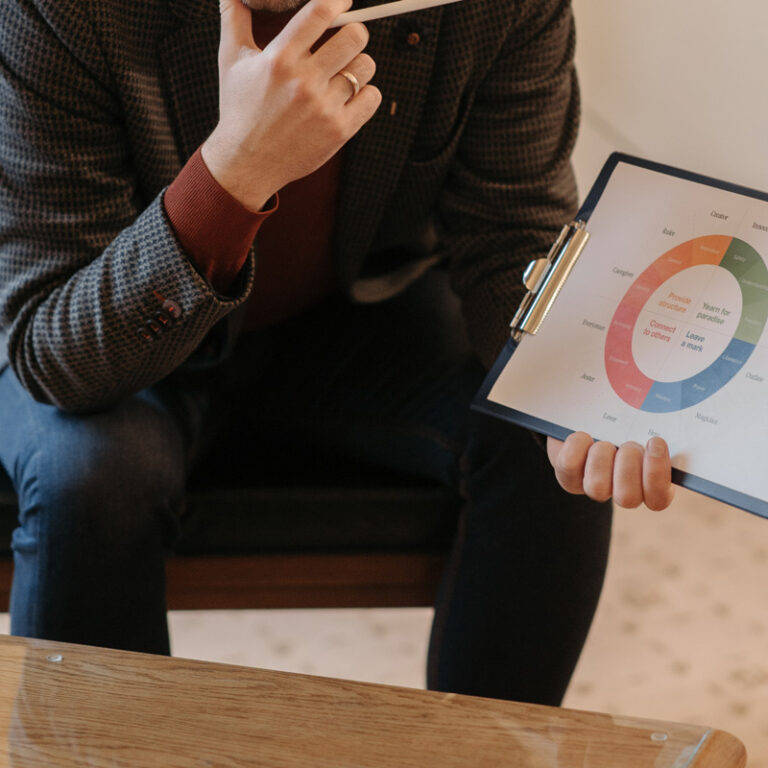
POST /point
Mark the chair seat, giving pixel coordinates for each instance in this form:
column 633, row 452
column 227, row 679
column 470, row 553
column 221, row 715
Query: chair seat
column 336, row 534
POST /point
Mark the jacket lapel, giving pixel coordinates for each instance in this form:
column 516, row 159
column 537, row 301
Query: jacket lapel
column 189, row 59
column 375, row 157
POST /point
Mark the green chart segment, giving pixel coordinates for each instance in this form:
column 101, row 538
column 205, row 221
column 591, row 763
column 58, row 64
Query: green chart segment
column 642, row 392
column 749, row 269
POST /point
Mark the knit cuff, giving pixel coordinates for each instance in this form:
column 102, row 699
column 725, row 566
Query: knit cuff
column 215, row 229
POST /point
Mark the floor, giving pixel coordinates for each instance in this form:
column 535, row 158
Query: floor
column 682, row 629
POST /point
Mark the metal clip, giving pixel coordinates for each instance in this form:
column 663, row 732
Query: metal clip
column 545, row 277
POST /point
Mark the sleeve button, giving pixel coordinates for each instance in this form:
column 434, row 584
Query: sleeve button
column 172, row 308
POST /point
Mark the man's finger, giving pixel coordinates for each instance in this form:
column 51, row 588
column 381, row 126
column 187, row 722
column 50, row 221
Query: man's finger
column 363, row 106
column 628, row 475
column 598, row 471
column 570, row 460
column 307, row 26
column 657, row 475
column 236, row 31
column 554, row 446
column 342, row 48
column 362, row 68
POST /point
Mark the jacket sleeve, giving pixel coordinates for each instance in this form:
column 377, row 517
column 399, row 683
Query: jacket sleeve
column 511, row 186
column 97, row 297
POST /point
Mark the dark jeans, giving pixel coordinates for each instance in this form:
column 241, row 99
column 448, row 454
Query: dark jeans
column 100, row 494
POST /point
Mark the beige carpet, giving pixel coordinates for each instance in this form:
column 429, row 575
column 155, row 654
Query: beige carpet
column 682, row 628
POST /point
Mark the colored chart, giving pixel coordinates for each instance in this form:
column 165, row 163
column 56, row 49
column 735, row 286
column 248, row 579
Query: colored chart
column 687, row 323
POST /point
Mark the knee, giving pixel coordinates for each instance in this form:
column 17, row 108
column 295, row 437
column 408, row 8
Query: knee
column 113, row 476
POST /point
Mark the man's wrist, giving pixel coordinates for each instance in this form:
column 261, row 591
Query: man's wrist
column 226, row 168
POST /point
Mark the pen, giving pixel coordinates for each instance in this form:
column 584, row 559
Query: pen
column 387, row 9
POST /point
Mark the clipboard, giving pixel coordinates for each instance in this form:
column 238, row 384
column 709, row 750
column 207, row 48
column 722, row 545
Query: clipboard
column 648, row 317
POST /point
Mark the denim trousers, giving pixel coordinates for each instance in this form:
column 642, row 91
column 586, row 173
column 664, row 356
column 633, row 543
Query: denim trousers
column 101, row 494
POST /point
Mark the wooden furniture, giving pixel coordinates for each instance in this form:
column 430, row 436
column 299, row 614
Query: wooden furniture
column 67, row 705
column 297, row 531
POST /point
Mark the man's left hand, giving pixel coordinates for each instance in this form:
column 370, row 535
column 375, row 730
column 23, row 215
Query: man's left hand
column 631, row 474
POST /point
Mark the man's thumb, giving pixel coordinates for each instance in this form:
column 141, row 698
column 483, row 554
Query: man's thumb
column 236, row 32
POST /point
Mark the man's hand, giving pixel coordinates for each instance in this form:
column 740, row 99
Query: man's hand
column 633, row 475
column 285, row 110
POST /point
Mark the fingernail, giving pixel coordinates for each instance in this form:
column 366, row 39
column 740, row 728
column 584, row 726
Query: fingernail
column 656, row 447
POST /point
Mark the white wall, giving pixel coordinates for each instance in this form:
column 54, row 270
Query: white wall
column 678, row 81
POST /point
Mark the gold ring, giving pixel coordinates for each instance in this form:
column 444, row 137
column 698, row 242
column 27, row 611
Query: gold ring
column 352, row 80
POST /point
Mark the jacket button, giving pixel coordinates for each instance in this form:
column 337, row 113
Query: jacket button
column 172, row 308
column 408, row 35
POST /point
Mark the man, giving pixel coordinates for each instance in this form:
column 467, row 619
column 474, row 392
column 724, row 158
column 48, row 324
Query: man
column 199, row 239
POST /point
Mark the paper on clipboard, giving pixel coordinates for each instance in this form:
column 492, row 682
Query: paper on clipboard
column 658, row 330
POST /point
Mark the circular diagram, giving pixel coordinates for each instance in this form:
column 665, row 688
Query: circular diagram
column 680, row 322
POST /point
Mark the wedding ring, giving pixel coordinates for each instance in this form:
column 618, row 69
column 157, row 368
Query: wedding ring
column 352, row 80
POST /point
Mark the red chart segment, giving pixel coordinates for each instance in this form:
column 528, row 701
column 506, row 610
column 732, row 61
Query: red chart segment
column 737, row 259
column 627, row 380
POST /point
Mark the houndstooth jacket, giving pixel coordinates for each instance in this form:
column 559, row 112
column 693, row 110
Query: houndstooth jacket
column 102, row 102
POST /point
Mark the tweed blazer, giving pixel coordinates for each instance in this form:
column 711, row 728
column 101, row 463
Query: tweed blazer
column 103, row 101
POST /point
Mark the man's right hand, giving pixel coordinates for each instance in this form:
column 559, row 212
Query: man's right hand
column 285, row 110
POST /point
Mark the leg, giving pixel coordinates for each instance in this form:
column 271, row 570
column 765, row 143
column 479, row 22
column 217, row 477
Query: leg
column 99, row 499
column 392, row 384
column 524, row 578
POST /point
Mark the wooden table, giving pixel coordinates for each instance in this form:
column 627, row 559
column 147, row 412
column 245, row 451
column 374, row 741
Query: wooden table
column 68, row 705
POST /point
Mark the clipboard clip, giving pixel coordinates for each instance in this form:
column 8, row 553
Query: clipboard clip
column 544, row 279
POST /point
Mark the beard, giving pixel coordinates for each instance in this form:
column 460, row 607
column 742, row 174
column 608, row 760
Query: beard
column 276, row 6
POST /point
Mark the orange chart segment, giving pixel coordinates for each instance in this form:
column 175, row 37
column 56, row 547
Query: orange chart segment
column 735, row 259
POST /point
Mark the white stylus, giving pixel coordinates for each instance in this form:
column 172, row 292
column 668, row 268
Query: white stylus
column 387, row 9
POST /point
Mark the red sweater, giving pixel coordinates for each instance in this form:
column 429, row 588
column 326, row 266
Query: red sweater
column 294, row 269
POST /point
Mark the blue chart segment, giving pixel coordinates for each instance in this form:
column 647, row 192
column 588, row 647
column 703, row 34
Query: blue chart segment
column 665, row 396
column 734, row 256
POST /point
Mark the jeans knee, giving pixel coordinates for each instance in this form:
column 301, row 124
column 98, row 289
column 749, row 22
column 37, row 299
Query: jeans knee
column 102, row 481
